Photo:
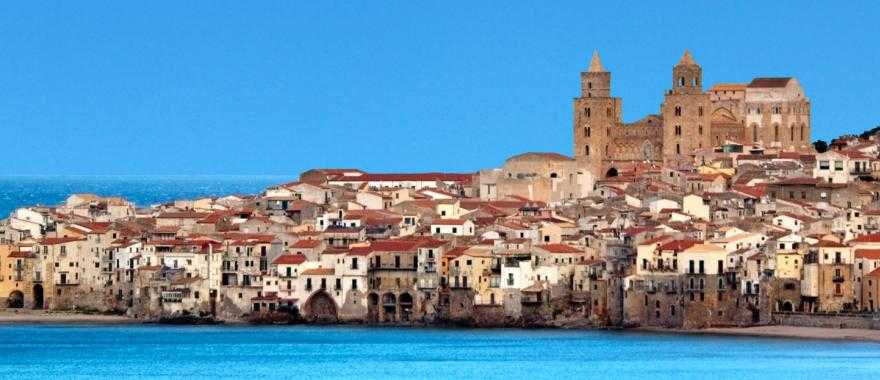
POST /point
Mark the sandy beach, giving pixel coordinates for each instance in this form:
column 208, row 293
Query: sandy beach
column 776, row 331
column 39, row 316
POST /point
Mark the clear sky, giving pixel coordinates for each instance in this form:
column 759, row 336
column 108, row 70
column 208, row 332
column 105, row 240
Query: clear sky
column 275, row 88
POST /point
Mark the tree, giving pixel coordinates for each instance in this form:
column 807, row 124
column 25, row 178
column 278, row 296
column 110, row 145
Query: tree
column 821, row 146
column 869, row 133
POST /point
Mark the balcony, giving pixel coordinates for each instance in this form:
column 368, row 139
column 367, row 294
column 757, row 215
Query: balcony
column 837, row 278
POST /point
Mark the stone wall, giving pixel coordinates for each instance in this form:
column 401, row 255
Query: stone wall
column 849, row 321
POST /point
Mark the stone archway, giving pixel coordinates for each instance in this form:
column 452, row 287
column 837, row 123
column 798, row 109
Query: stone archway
column 373, row 306
column 38, row 296
column 320, row 307
column 612, row 172
column 389, row 306
column 15, row 300
column 786, row 306
column 406, row 306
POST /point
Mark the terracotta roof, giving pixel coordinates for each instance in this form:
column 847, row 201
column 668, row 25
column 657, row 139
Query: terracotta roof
column 21, row 255
column 559, row 248
column 446, row 177
column 874, row 273
column 769, row 82
column 728, row 87
column 830, row 244
column 306, row 244
column 319, row 272
column 679, row 245
column 869, row 238
column 394, row 245
column 448, row 222
column 59, row 240
column 183, row 215
column 289, row 260
column 870, row 254
column 456, row 252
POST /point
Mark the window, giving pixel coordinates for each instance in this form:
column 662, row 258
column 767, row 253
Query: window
column 586, row 153
column 677, row 110
column 824, row 165
column 587, row 111
column 838, row 165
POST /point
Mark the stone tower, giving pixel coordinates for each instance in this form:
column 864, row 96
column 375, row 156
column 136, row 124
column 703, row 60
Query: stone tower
column 596, row 112
column 686, row 112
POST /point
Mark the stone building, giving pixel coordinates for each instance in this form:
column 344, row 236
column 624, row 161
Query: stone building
column 545, row 177
column 769, row 112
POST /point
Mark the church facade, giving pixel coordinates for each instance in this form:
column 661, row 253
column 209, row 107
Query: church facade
column 771, row 113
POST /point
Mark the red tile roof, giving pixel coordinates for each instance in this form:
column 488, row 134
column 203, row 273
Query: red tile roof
column 306, row 244
column 59, row 240
column 870, row 254
column 559, row 248
column 769, row 82
column 319, row 272
column 289, row 260
column 448, row 222
column 869, row 238
column 679, row 245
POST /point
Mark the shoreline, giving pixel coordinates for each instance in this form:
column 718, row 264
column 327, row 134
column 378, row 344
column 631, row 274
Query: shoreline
column 24, row 316
column 776, row 331
column 27, row 316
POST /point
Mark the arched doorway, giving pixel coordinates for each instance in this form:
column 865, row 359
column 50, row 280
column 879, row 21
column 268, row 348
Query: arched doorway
column 611, row 173
column 15, row 300
column 373, row 306
column 389, row 305
column 786, row 306
column 406, row 305
column 320, row 307
column 38, row 296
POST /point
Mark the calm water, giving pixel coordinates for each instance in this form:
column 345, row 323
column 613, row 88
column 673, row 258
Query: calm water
column 17, row 191
column 64, row 351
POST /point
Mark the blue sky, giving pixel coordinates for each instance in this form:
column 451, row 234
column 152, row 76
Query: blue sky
column 279, row 87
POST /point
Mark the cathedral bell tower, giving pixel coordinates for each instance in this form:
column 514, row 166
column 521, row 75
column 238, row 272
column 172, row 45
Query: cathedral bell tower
column 686, row 112
column 596, row 113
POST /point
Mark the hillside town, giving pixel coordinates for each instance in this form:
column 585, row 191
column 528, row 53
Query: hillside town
column 719, row 211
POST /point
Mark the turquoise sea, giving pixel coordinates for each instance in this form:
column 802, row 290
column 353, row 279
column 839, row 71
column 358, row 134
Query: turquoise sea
column 312, row 352
column 17, row 191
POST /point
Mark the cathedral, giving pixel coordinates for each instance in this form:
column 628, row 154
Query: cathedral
column 770, row 113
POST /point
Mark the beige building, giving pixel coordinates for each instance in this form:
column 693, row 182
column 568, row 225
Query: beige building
column 772, row 112
column 545, row 177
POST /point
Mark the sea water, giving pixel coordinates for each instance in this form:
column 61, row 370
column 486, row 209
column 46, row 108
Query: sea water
column 312, row 352
column 18, row 191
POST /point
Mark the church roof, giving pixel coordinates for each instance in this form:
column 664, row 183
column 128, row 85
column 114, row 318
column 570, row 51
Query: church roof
column 769, row 82
column 687, row 59
column 728, row 87
column 539, row 156
column 596, row 63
